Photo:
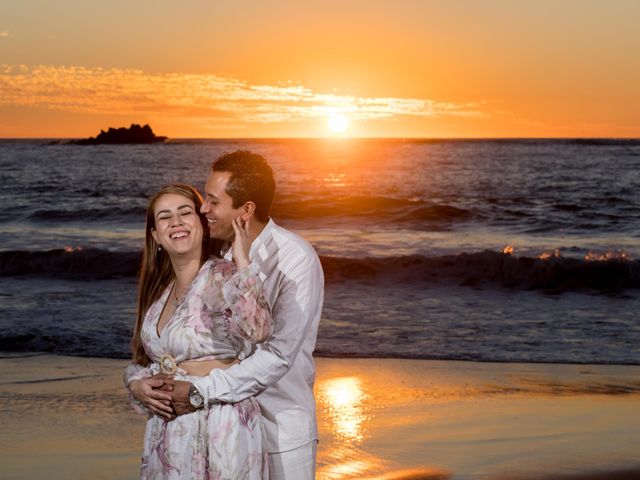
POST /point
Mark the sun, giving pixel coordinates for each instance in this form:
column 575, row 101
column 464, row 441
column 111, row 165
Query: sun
column 337, row 123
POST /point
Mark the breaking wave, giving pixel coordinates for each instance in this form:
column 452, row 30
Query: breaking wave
column 486, row 268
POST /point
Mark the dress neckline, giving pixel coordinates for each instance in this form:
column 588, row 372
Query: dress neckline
column 165, row 298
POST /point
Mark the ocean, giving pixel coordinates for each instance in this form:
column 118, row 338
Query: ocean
column 484, row 250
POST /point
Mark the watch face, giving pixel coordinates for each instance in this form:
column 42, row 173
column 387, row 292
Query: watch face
column 196, row 399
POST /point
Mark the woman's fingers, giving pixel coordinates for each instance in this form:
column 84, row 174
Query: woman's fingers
column 161, row 407
column 239, row 228
column 155, row 382
column 241, row 244
column 157, row 394
column 161, row 396
column 164, row 413
column 152, row 394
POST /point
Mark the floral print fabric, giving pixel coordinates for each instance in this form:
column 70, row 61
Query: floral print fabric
column 221, row 316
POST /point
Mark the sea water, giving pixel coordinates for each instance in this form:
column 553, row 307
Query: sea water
column 489, row 250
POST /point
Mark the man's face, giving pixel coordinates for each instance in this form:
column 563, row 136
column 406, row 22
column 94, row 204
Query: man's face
column 218, row 206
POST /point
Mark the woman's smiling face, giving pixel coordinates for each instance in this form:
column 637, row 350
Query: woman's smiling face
column 177, row 225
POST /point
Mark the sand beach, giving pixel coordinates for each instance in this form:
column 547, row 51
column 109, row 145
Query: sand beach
column 68, row 417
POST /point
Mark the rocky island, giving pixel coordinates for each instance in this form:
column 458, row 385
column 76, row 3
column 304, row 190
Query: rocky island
column 134, row 134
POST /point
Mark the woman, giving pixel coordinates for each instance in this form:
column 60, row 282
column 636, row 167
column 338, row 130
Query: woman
column 194, row 314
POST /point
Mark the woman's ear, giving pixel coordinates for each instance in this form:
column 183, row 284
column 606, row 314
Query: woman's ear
column 154, row 234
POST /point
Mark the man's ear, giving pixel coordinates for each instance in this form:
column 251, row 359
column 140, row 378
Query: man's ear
column 248, row 209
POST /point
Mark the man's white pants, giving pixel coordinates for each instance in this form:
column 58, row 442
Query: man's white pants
column 296, row 464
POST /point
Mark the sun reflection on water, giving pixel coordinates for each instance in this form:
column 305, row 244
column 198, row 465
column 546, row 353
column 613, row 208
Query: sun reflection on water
column 344, row 413
column 344, row 399
column 336, row 180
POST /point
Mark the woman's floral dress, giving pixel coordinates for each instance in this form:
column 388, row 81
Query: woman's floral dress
column 222, row 314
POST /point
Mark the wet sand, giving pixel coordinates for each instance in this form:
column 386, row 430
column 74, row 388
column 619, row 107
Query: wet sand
column 68, row 417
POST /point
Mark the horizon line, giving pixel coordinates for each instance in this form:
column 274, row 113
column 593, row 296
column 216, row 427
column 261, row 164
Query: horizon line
column 340, row 138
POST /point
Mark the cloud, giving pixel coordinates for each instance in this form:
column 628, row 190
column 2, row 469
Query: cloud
column 197, row 96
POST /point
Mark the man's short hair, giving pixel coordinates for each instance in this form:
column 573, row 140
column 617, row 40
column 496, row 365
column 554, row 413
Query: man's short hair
column 251, row 179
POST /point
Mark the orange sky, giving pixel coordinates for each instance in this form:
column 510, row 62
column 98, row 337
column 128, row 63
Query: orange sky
column 257, row 68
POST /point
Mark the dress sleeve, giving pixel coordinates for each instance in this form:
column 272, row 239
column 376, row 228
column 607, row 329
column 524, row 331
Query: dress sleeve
column 297, row 312
column 246, row 309
column 131, row 373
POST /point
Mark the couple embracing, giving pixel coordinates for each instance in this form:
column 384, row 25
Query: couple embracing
column 223, row 342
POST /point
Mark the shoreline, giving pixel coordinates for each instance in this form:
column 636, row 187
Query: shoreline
column 5, row 355
column 378, row 419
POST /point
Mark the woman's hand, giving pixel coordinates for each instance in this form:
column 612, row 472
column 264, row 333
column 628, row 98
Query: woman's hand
column 241, row 243
column 154, row 394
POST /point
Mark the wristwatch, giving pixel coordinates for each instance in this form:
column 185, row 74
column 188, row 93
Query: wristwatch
column 195, row 397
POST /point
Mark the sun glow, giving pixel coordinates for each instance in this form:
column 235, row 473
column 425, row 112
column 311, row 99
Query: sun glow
column 337, row 123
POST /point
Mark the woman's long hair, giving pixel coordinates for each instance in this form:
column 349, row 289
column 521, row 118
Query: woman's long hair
column 156, row 271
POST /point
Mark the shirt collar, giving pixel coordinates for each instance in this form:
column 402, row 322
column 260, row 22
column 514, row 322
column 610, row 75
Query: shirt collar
column 262, row 236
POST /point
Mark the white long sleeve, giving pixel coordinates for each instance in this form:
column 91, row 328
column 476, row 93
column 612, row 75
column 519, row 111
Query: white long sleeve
column 281, row 371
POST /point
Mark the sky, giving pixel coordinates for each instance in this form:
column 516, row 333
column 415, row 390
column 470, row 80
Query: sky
column 285, row 68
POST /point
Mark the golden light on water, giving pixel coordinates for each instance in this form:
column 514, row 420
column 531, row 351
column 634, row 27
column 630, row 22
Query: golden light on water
column 343, row 408
column 357, row 409
column 604, row 257
column 336, row 180
column 508, row 250
column 344, row 398
column 547, row 255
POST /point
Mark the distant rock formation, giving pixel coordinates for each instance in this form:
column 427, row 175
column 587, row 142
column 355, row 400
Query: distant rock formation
column 134, row 134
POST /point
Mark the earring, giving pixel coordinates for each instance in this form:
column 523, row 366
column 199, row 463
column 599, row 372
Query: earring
column 159, row 248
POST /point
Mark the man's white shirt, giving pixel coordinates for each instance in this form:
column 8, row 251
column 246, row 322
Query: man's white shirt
column 281, row 371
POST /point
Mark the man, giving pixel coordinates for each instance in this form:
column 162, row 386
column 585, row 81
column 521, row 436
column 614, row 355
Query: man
column 281, row 372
